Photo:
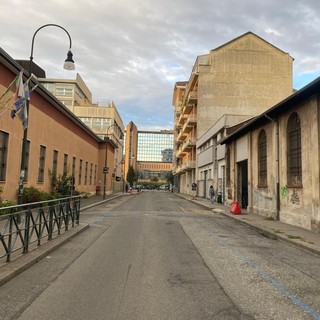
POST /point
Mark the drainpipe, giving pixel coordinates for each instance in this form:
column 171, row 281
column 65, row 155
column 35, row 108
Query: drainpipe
column 277, row 166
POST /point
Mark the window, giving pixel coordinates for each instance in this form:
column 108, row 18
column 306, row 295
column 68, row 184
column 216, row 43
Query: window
column 73, row 172
column 86, row 121
column 4, row 137
column 64, row 90
column 228, row 168
column 106, row 123
column 294, row 165
column 42, row 160
column 95, row 175
column 86, row 173
column 91, row 167
column 80, row 171
column 55, row 162
column 96, row 123
column 79, row 92
column 65, row 164
column 262, row 159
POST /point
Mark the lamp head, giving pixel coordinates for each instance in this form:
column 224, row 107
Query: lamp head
column 69, row 63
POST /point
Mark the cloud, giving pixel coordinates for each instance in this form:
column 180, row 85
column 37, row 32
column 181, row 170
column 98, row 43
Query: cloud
column 133, row 51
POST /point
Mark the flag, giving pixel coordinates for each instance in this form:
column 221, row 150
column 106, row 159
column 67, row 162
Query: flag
column 20, row 104
column 10, row 86
column 20, row 92
column 22, row 95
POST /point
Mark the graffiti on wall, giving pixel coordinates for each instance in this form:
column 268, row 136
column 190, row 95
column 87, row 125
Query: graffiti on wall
column 295, row 198
column 284, row 192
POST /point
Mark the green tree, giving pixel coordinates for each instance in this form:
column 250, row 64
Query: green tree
column 170, row 177
column 131, row 176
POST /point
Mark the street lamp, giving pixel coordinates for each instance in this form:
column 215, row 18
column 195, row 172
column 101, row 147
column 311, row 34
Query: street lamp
column 68, row 65
column 106, row 169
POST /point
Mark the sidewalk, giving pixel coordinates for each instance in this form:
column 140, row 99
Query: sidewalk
column 277, row 230
column 10, row 270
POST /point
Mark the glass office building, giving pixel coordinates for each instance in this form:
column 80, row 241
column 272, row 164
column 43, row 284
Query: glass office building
column 154, row 154
column 155, row 146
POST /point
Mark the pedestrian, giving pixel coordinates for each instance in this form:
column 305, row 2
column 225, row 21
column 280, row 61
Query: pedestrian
column 194, row 190
column 126, row 188
column 211, row 194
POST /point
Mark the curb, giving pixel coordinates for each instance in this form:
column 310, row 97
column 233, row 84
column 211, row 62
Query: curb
column 100, row 202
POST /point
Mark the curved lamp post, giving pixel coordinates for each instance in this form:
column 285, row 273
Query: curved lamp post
column 68, row 65
column 106, row 169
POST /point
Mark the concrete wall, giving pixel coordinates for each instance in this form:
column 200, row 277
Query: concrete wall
column 245, row 76
column 299, row 205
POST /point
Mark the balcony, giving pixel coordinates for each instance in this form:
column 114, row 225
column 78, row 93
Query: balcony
column 182, row 119
column 181, row 136
column 193, row 97
column 189, row 144
column 178, row 169
column 189, row 165
column 191, row 102
column 191, row 121
column 178, row 110
column 180, row 153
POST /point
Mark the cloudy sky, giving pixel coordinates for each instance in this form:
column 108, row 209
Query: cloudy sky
column 133, row 51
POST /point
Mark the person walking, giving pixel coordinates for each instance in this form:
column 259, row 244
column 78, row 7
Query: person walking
column 194, row 190
column 211, row 194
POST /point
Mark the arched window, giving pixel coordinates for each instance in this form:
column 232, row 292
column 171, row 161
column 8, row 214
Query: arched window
column 262, row 159
column 294, row 165
column 228, row 167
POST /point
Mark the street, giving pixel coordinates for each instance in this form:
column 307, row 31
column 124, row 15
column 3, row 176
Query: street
column 157, row 256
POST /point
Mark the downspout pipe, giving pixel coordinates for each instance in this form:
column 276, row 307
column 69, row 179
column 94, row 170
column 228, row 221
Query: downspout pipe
column 277, row 166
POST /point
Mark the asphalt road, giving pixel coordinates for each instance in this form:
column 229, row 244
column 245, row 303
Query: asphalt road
column 157, row 256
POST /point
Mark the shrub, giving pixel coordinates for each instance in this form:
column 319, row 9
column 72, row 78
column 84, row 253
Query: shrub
column 33, row 194
column 6, row 203
column 61, row 183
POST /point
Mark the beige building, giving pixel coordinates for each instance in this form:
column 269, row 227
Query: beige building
column 130, row 150
column 211, row 155
column 103, row 119
column 273, row 161
column 57, row 141
column 244, row 77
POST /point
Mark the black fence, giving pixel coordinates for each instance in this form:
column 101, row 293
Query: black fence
column 26, row 226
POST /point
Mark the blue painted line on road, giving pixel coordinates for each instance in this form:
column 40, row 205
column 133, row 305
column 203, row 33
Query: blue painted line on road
column 99, row 222
column 96, row 223
column 281, row 288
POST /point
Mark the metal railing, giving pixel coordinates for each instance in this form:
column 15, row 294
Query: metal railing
column 26, row 225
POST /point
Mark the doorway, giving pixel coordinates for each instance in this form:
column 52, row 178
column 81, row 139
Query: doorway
column 205, row 184
column 243, row 183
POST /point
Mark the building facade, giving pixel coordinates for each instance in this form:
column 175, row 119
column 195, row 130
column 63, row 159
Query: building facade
column 57, row 140
column 274, row 161
column 211, row 162
column 103, row 119
column 244, row 77
column 154, row 155
column 149, row 152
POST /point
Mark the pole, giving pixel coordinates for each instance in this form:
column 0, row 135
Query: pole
column 106, row 169
column 25, row 132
